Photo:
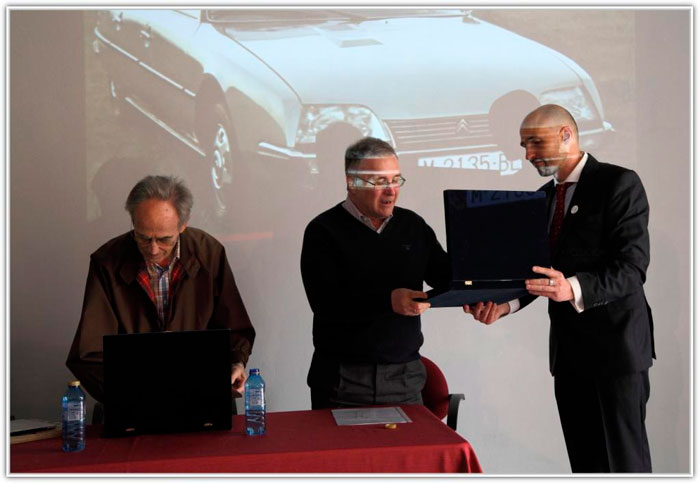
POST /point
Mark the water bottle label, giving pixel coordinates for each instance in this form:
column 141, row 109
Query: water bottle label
column 256, row 398
column 74, row 411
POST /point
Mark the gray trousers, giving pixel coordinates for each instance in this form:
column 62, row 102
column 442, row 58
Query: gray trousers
column 371, row 384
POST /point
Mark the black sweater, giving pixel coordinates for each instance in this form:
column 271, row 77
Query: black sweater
column 349, row 272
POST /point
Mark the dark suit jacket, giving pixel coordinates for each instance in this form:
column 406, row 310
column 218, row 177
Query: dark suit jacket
column 605, row 243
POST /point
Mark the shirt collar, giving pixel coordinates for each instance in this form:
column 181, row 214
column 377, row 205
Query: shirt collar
column 177, row 249
column 355, row 212
column 576, row 173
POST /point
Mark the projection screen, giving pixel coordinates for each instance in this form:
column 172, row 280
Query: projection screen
column 254, row 107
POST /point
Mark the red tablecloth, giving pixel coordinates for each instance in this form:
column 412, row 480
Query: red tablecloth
column 296, row 441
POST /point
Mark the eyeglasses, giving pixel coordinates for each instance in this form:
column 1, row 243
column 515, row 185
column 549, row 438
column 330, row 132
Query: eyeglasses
column 163, row 242
column 379, row 183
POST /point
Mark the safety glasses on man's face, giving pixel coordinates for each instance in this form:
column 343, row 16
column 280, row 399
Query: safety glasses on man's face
column 377, row 182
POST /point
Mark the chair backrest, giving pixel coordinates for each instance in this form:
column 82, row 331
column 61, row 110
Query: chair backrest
column 436, row 396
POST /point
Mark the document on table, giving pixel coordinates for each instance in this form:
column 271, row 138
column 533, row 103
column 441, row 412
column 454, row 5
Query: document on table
column 352, row 416
column 24, row 426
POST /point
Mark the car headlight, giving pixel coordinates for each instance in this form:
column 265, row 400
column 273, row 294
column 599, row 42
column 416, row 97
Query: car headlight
column 573, row 100
column 315, row 118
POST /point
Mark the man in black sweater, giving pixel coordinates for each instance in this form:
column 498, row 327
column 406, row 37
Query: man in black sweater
column 363, row 262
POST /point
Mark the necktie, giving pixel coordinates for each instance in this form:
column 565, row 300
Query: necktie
column 558, row 218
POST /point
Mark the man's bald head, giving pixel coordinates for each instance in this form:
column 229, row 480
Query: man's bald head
column 550, row 137
column 550, row 116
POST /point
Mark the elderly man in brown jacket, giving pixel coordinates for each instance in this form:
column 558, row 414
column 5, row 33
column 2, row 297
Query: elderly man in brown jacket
column 160, row 276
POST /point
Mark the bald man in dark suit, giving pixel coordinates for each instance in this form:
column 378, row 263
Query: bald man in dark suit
column 601, row 340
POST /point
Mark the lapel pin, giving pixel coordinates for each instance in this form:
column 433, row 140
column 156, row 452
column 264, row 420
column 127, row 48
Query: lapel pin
column 574, row 209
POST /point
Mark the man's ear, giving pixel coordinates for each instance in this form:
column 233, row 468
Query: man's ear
column 566, row 134
column 182, row 228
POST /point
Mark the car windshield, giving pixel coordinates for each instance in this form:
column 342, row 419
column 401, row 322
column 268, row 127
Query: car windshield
column 314, row 16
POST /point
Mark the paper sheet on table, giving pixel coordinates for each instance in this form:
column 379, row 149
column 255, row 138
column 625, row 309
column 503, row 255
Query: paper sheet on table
column 349, row 417
column 24, row 426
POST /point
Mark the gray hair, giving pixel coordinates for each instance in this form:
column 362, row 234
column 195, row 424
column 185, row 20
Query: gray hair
column 166, row 188
column 367, row 148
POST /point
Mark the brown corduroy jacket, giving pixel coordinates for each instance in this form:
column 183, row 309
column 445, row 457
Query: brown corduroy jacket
column 205, row 298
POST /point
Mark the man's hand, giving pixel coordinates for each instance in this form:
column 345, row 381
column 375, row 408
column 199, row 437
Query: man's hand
column 238, row 377
column 402, row 302
column 555, row 287
column 487, row 313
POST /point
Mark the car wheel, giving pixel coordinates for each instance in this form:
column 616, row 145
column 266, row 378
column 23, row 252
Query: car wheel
column 221, row 155
column 122, row 112
column 330, row 148
column 505, row 116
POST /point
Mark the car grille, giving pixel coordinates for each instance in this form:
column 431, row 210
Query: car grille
column 440, row 133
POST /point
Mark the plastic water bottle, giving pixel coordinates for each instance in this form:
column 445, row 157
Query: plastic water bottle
column 73, row 417
column 255, row 404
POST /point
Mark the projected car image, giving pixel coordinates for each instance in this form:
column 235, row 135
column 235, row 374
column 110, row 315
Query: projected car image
column 298, row 85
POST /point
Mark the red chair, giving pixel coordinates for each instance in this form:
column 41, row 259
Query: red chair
column 437, row 397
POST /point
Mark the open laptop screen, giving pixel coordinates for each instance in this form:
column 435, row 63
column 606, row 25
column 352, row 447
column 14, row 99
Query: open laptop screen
column 496, row 235
column 167, row 382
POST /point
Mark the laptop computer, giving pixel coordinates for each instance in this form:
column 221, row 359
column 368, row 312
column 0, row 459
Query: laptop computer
column 494, row 238
column 162, row 382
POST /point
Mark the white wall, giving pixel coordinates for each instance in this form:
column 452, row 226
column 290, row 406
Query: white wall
column 61, row 210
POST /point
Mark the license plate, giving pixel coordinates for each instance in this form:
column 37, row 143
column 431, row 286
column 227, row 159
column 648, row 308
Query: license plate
column 493, row 161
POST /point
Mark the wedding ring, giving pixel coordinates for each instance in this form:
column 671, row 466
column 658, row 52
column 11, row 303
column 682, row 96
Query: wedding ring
column 551, row 282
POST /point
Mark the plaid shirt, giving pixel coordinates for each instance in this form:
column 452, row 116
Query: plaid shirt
column 158, row 281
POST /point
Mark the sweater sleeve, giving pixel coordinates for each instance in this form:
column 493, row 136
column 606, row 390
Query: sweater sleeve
column 438, row 268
